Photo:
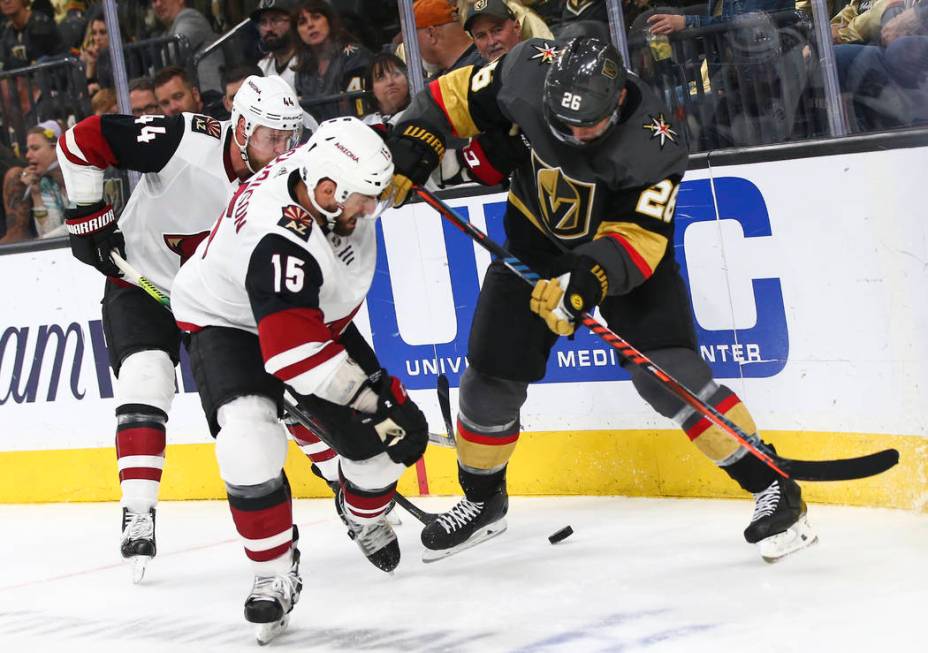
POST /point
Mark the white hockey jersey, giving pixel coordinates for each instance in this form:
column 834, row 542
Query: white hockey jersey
column 187, row 182
column 268, row 268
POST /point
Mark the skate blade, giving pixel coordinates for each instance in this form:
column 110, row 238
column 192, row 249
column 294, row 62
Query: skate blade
column 484, row 534
column 139, row 565
column 798, row 536
column 265, row 633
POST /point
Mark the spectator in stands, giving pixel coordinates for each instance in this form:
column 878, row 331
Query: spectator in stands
column 96, row 40
column 190, row 23
column 443, row 43
column 388, row 79
column 887, row 86
column 494, row 28
column 176, row 93
column 73, row 24
column 274, row 19
column 8, row 159
column 232, row 80
column 531, row 24
column 28, row 35
column 34, row 197
column 718, row 11
column 104, row 101
column 142, row 97
column 330, row 61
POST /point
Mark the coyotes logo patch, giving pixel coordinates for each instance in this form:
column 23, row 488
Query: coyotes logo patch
column 206, row 125
column 296, row 220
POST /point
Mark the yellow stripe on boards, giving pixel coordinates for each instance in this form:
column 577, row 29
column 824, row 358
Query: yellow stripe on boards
column 630, row 463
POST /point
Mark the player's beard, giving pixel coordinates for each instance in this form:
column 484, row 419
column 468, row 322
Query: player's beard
column 346, row 226
column 274, row 43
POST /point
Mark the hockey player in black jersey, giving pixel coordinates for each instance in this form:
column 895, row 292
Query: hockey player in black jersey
column 591, row 208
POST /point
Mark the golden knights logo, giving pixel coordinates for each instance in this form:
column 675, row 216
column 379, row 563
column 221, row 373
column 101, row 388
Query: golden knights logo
column 577, row 7
column 296, row 220
column 661, row 129
column 206, row 125
column 566, row 203
column 545, row 54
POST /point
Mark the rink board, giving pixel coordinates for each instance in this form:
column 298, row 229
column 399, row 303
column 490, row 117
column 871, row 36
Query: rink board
column 808, row 280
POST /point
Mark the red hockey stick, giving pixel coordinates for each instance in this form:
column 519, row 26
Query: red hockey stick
column 808, row 470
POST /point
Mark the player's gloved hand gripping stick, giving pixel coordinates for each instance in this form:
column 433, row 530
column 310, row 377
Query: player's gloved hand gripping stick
column 801, row 470
column 304, row 418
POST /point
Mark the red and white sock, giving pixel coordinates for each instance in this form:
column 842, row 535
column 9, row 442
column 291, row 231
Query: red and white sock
column 321, row 454
column 140, row 444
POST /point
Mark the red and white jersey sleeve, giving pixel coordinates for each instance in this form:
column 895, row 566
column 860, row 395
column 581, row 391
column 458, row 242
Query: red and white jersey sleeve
column 187, row 182
column 268, row 268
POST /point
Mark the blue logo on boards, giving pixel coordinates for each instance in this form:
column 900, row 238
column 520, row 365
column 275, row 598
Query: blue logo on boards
column 758, row 351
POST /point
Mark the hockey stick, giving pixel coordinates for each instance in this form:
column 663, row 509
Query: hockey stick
column 803, row 470
column 444, row 403
column 304, row 418
column 313, row 425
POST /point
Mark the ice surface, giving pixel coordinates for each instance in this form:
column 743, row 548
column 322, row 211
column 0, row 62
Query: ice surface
column 637, row 575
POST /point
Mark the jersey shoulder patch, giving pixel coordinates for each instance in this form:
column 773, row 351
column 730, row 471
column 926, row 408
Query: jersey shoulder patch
column 296, row 220
column 206, row 125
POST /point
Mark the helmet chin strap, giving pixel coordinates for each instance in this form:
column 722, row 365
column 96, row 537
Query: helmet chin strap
column 243, row 152
column 330, row 216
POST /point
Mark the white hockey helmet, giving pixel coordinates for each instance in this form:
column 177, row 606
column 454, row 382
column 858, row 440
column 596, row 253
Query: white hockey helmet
column 266, row 101
column 349, row 153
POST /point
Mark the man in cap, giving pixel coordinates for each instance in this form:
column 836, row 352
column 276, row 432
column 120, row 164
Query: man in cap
column 494, row 28
column 443, row 43
column 274, row 19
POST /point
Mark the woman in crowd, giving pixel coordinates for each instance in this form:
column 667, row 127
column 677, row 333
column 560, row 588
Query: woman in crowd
column 34, row 197
column 95, row 40
column 387, row 79
column 331, row 61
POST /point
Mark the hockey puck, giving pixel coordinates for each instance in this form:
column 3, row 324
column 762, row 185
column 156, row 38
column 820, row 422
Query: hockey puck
column 561, row 535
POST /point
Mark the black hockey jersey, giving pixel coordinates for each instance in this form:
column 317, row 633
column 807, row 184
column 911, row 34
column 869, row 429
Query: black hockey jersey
column 613, row 199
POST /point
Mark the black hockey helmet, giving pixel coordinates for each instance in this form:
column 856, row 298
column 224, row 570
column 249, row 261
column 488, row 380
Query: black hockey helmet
column 583, row 86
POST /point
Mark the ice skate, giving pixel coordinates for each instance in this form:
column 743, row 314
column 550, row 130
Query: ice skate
column 377, row 541
column 138, row 541
column 467, row 524
column 271, row 600
column 779, row 525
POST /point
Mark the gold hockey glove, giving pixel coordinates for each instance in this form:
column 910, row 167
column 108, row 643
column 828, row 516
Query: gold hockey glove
column 417, row 149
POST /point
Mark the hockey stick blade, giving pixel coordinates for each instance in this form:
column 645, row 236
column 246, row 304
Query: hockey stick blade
column 807, row 470
column 444, row 403
column 425, row 517
column 845, row 469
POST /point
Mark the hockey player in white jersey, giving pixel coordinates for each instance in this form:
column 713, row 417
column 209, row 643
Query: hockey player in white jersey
column 192, row 164
column 268, row 299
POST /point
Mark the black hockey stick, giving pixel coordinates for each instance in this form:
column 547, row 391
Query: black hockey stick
column 313, row 425
column 444, row 404
column 802, row 470
column 304, row 418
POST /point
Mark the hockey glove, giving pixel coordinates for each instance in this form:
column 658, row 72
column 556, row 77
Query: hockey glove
column 94, row 234
column 417, row 149
column 398, row 422
column 561, row 300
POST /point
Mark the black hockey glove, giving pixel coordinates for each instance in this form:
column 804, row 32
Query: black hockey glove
column 398, row 422
column 94, row 234
column 559, row 301
column 417, row 149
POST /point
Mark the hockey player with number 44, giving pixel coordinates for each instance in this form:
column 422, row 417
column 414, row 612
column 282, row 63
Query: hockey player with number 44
column 268, row 300
column 192, row 164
